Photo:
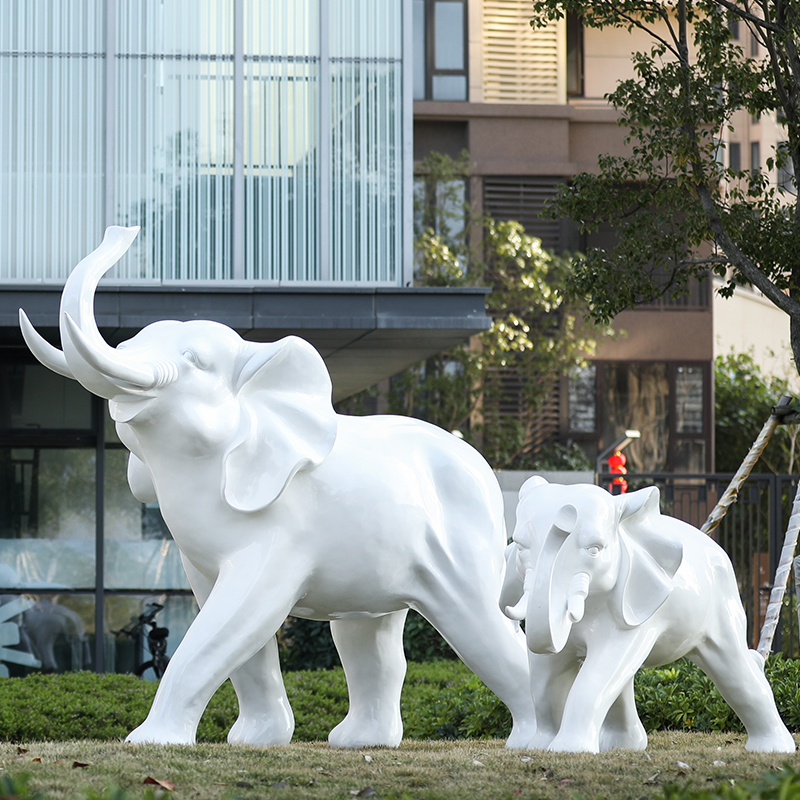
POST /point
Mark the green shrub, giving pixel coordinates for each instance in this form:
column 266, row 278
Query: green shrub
column 308, row 644
column 440, row 700
column 783, row 784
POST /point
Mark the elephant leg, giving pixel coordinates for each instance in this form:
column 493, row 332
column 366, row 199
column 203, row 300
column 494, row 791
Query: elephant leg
column 622, row 728
column 609, row 667
column 738, row 673
column 490, row 644
column 371, row 651
column 265, row 716
column 245, row 608
column 551, row 678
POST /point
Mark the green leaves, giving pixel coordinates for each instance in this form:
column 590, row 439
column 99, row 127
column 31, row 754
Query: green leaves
column 743, row 398
column 537, row 333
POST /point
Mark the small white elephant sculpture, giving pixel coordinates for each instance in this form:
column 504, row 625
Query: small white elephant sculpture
column 607, row 585
column 280, row 506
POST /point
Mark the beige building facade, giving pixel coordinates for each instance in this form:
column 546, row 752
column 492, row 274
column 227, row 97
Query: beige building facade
column 530, row 107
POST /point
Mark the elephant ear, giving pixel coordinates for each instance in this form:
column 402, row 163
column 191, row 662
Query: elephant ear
column 649, row 559
column 287, row 425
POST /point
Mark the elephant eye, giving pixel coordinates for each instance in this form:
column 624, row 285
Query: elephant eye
column 593, row 550
column 192, row 358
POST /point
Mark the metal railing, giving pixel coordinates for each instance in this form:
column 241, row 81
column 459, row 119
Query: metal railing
column 751, row 533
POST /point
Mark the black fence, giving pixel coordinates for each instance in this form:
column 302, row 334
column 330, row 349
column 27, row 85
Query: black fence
column 751, row 533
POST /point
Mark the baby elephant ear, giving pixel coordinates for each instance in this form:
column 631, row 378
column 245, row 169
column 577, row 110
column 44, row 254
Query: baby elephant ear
column 287, row 424
column 650, row 558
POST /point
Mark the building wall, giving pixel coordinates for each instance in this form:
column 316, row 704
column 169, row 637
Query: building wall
column 526, row 139
column 749, row 323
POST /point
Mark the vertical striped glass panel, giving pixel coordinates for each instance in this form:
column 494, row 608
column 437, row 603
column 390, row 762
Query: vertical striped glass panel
column 173, row 136
column 366, row 210
column 281, row 134
column 51, row 123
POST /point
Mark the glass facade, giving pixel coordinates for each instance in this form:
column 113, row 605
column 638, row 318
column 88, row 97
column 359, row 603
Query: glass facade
column 256, row 140
column 78, row 553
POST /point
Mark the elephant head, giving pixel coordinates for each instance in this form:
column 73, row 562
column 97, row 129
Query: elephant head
column 262, row 410
column 580, row 544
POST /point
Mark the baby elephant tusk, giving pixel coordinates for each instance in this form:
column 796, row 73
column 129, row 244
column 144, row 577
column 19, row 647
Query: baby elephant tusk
column 576, row 596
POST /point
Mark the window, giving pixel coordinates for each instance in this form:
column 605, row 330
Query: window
column 735, row 156
column 574, row 56
column 786, row 170
column 583, row 399
column 275, row 154
column 755, row 156
column 440, row 50
column 523, row 200
column 668, row 402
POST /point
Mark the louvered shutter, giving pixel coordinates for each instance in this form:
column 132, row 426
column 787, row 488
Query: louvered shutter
column 523, row 200
column 522, row 64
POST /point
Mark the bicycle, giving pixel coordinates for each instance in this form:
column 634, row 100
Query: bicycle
column 156, row 640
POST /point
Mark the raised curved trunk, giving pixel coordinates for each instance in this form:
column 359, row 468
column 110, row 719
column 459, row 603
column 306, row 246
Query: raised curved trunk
column 86, row 356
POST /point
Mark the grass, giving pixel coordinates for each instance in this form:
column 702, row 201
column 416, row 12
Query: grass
column 430, row 770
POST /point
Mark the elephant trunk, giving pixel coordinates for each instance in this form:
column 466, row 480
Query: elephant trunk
column 576, row 596
column 86, row 356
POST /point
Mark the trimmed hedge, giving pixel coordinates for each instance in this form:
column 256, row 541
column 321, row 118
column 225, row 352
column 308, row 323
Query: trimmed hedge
column 441, row 700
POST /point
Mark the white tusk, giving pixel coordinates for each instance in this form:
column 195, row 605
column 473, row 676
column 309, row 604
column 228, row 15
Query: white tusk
column 104, row 362
column 50, row 356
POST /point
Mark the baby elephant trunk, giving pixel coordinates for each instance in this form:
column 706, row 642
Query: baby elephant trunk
column 576, row 596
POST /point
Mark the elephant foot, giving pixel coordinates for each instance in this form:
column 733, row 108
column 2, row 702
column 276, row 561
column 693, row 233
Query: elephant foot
column 633, row 738
column 154, row 733
column 354, row 732
column 262, row 731
column 778, row 741
column 540, row 740
column 565, row 743
column 521, row 735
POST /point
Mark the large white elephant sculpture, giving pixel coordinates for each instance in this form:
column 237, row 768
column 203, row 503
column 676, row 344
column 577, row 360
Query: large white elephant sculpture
column 280, row 506
column 607, row 585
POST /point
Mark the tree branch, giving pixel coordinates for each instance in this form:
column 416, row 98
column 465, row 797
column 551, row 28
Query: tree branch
column 739, row 260
column 746, row 15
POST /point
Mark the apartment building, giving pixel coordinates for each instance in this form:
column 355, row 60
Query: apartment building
column 529, row 106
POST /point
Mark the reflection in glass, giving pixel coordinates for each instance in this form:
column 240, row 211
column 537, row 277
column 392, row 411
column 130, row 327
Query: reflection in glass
column 54, row 633
column 124, row 653
column 449, row 87
column 34, row 397
column 690, row 456
column 419, row 50
column 175, row 178
column 637, row 397
column 689, row 400
column 47, row 517
column 139, row 550
column 583, row 399
column 366, row 29
column 281, row 163
column 366, row 181
column 449, row 45
column 52, row 79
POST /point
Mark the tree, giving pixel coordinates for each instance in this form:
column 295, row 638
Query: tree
column 677, row 211
column 743, row 399
column 536, row 333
